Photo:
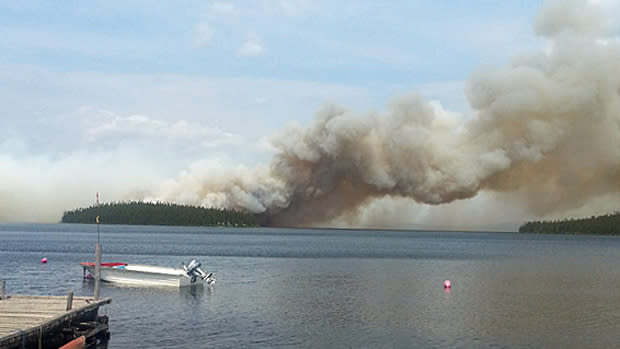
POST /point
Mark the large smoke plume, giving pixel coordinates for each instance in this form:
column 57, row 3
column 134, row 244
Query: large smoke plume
column 545, row 128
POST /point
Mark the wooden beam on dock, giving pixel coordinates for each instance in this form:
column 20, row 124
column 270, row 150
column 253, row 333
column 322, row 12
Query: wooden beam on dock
column 33, row 319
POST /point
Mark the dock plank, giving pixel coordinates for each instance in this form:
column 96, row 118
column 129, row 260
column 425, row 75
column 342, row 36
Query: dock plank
column 28, row 316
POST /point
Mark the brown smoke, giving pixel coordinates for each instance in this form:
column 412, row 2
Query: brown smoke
column 545, row 128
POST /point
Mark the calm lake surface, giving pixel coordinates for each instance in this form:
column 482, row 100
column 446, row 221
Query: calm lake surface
column 336, row 288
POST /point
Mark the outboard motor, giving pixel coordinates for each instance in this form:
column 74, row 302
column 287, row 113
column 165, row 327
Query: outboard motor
column 193, row 271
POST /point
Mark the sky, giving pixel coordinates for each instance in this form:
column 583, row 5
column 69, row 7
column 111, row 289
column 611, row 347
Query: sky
column 130, row 98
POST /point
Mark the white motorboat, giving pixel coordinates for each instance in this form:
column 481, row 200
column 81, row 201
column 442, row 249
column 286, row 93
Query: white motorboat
column 146, row 275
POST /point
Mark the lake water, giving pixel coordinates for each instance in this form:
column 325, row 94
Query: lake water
column 336, row 288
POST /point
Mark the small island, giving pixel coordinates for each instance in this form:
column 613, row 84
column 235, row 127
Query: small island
column 159, row 213
column 596, row 225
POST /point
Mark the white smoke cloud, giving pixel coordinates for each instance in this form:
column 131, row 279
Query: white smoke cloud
column 544, row 134
column 203, row 33
column 40, row 188
column 252, row 46
column 572, row 17
column 67, row 135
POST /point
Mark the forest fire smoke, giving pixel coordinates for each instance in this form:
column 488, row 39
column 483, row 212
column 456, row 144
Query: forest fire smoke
column 545, row 128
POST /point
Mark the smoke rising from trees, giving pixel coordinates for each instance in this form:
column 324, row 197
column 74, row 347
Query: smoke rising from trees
column 545, row 128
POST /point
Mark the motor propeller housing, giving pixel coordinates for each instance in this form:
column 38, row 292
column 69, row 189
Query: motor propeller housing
column 193, row 271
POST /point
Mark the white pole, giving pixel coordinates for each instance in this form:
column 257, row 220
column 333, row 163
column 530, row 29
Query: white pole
column 97, row 255
column 97, row 268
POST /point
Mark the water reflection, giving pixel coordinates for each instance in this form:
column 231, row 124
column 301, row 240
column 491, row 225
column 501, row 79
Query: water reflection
column 335, row 289
column 194, row 293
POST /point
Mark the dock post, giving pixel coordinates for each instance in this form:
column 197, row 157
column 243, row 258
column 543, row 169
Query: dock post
column 97, row 254
column 97, row 268
column 69, row 300
column 3, row 290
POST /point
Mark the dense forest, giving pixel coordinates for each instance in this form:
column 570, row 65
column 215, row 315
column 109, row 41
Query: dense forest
column 148, row 213
column 600, row 225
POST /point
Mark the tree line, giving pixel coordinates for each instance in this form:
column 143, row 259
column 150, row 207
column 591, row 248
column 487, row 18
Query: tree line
column 596, row 225
column 158, row 213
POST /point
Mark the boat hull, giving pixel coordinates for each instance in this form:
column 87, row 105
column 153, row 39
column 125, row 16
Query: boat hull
column 143, row 275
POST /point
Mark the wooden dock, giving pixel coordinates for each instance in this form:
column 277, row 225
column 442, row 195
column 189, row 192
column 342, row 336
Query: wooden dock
column 49, row 321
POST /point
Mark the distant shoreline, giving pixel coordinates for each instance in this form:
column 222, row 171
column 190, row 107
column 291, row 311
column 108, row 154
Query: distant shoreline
column 596, row 225
column 159, row 213
column 387, row 230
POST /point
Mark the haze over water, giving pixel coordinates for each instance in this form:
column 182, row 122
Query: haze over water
column 336, row 288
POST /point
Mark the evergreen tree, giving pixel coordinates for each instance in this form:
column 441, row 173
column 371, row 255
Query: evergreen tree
column 160, row 213
column 596, row 225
